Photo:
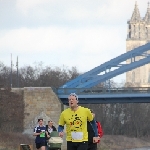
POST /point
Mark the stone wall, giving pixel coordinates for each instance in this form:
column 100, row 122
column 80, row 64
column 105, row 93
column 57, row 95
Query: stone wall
column 40, row 102
column 11, row 111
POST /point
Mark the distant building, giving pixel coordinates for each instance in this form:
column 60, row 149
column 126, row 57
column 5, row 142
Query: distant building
column 138, row 34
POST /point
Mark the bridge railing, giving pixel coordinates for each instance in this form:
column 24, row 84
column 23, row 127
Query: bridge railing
column 86, row 91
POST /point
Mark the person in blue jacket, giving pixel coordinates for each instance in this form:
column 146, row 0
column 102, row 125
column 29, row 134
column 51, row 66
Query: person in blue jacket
column 40, row 132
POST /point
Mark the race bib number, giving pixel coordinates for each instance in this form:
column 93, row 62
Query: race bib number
column 77, row 135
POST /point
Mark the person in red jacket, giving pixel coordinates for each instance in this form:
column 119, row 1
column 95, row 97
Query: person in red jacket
column 92, row 145
column 99, row 129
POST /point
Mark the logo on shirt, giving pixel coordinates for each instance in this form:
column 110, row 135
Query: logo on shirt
column 76, row 122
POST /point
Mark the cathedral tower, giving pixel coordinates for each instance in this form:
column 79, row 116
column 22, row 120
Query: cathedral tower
column 138, row 34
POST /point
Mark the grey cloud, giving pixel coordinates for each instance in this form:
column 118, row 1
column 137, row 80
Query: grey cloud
column 62, row 13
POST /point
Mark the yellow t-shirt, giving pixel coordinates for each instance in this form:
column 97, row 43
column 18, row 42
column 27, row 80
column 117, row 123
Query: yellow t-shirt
column 76, row 122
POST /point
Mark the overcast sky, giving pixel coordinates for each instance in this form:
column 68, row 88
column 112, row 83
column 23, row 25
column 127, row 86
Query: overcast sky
column 81, row 33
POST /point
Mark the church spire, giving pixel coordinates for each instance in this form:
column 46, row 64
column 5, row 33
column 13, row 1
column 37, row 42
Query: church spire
column 147, row 16
column 136, row 14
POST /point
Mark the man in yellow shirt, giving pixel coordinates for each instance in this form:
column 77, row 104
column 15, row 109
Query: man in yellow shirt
column 76, row 118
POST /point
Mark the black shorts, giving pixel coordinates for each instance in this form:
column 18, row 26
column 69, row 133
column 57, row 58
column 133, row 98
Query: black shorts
column 77, row 145
column 92, row 146
column 39, row 145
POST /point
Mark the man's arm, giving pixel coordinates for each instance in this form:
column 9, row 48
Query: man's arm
column 94, row 126
column 61, row 125
column 60, row 128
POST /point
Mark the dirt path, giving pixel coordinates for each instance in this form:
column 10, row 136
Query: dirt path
column 118, row 142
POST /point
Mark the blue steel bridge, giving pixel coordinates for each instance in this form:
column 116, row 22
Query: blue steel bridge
column 84, row 85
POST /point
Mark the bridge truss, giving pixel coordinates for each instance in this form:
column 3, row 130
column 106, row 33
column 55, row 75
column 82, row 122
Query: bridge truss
column 111, row 68
column 106, row 71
